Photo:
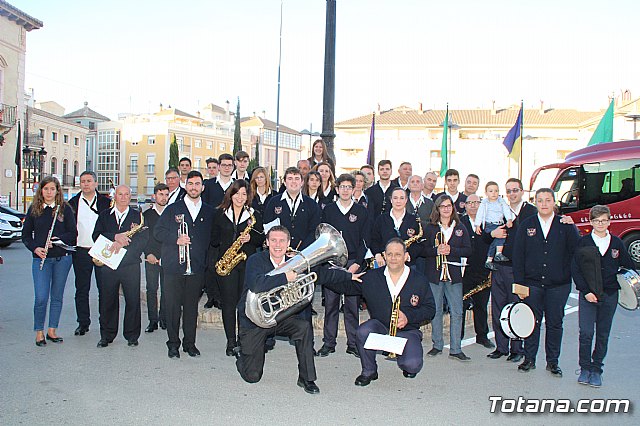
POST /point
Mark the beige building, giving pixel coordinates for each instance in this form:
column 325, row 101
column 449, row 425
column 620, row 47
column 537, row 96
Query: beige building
column 415, row 135
column 14, row 25
column 53, row 146
column 147, row 138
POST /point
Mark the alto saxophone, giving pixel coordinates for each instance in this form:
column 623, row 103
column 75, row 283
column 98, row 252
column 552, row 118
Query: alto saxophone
column 416, row 237
column 477, row 289
column 233, row 255
column 106, row 252
column 395, row 316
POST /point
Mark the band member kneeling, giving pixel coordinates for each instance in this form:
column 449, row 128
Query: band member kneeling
column 121, row 225
column 250, row 361
column 381, row 287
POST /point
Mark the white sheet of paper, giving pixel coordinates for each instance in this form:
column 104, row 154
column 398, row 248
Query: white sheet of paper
column 271, row 224
column 384, row 342
column 368, row 254
column 113, row 260
column 61, row 244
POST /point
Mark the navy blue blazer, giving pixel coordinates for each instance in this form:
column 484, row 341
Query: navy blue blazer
column 460, row 243
column 302, row 226
column 256, row 280
column 416, row 299
column 103, row 202
column 476, row 271
column 258, row 206
column 544, row 262
column 200, row 230
column 108, row 227
column 384, row 230
column 354, row 227
column 379, row 202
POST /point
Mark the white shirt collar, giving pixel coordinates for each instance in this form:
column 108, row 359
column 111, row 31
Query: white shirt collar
column 394, row 290
column 234, row 175
column 344, row 210
column 243, row 217
column 275, row 264
column 401, row 185
column 293, row 203
column 545, row 225
column 516, row 211
column 117, row 212
column 602, row 242
column 429, row 195
column 453, row 197
column 155, row 207
column 397, row 222
column 384, row 188
column 327, row 191
column 418, row 203
column 447, row 232
column 223, row 185
column 52, row 205
column 194, row 208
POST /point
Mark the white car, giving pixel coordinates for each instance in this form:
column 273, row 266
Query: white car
column 10, row 229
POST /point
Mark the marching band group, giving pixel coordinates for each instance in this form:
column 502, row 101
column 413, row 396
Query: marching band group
column 411, row 255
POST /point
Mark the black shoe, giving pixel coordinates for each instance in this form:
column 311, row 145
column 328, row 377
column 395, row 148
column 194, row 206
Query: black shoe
column 54, row 339
column 486, row 343
column 515, row 357
column 308, row 385
column 153, row 326
column 490, row 266
column 103, row 343
column 209, row 304
column 352, row 350
column 163, row 324
column 434, row 352
column 313, row 312
column 460, row 356
column 81, row 330
column 496, row 354
column 325, row 351
column 42, row 342
column 363, row 380
column 132, row 343
column 499, row 257
column 554, row 369
column 269, row 344
column 409, row 375
column 526, row 366
column 192, row 351
column 174, row 353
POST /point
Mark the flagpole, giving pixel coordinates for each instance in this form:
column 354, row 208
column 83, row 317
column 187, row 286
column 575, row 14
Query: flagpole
column 448, row 138
column 521, row 139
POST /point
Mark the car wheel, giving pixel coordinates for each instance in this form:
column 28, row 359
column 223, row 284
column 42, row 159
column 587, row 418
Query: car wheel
column 632, row 243
column 4, row 244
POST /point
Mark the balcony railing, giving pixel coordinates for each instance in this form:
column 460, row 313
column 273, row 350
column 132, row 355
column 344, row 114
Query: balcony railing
column 150, row 169
column 133, row 169
column 7, row 115
column 69, row 180
column 34, row 139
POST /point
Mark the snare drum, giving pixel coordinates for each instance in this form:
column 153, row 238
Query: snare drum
column 517, row 320
column 629, row 293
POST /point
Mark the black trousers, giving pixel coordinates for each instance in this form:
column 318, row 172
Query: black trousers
column 250, row 364
column 182, row 295
column 501, row 295
column 231, row 290
column 480, row 301
column 548, row 303
column 129, row 278
column 82, row 268
column 154, row 276
column 598, row 316
column 211, row 284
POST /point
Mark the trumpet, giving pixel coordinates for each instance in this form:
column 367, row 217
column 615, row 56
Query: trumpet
column 395, row 316
column 185, row 251
column 441, row 259
column 49, row 236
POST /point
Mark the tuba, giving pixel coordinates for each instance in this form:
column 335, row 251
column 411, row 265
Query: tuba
column 267, row 308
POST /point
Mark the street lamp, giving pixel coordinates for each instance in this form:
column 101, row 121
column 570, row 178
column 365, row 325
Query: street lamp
column 311, row 134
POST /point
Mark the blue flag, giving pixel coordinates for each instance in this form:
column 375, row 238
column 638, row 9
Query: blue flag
column 513, row 140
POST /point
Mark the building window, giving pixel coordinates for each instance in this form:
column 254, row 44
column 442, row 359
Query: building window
column 151, row 163
column 76, row 141
column 198, row 143
column 209, row 145
column 222, row 147
column 54, row 166
column 134, row 164
column 76, row 168
column 65, row 172
column 41, row 133
column 196, row 163
column 180, row 142
column 92, row 125
column 151, row 140
column 65, row 139
column 54, row 136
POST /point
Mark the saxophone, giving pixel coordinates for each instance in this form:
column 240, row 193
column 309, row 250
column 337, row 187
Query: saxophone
column 233, row 255
column 416, row 237
column 108, row 253
column 477, row 289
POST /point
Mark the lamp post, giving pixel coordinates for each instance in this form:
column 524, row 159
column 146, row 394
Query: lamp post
column 328, row 102
column 33, row 161
column 311, row 134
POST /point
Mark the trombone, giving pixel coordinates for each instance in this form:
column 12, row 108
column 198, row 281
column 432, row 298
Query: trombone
column 441, row 259
column 184, row 251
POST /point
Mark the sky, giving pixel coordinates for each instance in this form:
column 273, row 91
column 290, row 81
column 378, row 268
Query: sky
column 130, row 56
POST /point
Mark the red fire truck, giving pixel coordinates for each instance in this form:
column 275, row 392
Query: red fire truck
column 607, row 174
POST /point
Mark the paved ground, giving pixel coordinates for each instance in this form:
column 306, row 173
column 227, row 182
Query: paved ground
column 76, row 383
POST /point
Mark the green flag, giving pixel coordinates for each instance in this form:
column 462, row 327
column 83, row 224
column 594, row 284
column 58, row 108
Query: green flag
column 444, row 151
column 604, row 131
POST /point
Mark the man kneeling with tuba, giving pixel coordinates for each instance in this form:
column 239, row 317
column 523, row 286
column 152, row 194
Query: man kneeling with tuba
column 260, row 279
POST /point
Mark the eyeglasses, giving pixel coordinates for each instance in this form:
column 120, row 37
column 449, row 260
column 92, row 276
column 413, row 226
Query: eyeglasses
column 445, row 206
column 600, row 221
column 472, row 203
column 345, row 187
column 226, row 165
column 172, row 177
column 513, row 191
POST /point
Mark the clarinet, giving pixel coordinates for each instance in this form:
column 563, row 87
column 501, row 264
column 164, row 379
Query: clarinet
column 46, row 245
